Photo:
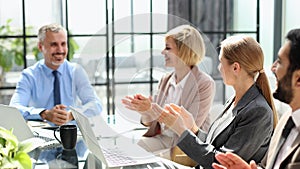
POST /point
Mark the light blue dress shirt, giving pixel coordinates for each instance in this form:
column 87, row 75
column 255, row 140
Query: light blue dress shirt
column 34, row 91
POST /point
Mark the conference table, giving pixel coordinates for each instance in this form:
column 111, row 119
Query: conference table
column 55, row 156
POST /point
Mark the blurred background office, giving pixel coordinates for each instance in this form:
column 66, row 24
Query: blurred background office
column 119, row 42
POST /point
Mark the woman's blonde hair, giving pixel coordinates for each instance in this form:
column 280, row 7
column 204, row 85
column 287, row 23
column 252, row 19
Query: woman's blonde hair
column 248, row 53
column 189, row 42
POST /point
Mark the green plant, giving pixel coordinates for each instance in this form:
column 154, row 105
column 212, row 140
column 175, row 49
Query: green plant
column 11, row 49
column 13, row 154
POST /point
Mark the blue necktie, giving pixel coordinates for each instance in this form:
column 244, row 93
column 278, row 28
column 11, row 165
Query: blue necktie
column 56, row 91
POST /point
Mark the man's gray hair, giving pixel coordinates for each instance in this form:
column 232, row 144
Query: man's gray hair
column 50, row 27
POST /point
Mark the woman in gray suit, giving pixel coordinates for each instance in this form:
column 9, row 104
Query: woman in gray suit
column 282, row 153
column 187, row 85
column 247, row 122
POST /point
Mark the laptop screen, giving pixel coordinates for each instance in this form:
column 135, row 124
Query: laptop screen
column 87, row 133
column 105, row 147
column 11, row 118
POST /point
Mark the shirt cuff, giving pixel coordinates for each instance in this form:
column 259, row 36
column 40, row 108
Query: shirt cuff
column 202, row 135
column 37, row 111
column 183, row 135
column 35, row 114
column 34, row 117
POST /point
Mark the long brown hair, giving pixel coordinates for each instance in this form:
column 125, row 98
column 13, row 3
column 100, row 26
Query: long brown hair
column 248, row 53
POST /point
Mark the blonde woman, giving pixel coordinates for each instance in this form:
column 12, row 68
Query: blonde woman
column 186, row 86
column 247, row 122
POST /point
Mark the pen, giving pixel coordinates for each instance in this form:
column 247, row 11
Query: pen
column 41, row 125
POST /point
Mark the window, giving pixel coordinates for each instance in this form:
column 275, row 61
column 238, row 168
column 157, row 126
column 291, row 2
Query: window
column 120, row 41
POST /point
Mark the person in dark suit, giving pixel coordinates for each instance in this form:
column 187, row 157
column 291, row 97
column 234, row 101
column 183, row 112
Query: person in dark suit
column 287, row 155
column 247, row 122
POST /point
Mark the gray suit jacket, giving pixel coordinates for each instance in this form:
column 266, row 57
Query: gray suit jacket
column 292, row 158
column 247, row 133
column 197, row 97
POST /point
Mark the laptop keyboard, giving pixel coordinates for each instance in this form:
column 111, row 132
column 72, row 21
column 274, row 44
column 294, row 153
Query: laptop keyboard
column 46, row 142
column 116, row 157
column 47, row 139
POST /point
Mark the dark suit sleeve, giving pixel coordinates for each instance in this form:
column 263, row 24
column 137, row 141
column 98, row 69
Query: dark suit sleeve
column 252, row 134
column 248, row 136
column 199, row 151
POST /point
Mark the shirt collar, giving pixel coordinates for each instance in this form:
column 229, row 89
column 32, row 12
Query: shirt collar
column 182, row 82
column 48, row 70
column 296, row 118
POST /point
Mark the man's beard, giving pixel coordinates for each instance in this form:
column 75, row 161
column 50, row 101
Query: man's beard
column 284, row 91
column 57, row 63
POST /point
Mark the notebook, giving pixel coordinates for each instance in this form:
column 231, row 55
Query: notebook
column 116, row 151
column 11, row 118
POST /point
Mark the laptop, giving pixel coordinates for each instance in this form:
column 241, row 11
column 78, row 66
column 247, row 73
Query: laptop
column 11, row 118
column 115, row 151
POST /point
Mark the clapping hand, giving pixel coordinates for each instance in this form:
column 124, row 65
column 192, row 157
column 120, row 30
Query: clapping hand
column 142, row 105
column 177, row 118
column 173, row 120
column 187, row 117
column 232, row 161
column 137, row 103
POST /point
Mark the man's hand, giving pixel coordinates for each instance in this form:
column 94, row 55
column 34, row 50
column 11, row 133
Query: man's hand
column 57, row 115
column 232, row 161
